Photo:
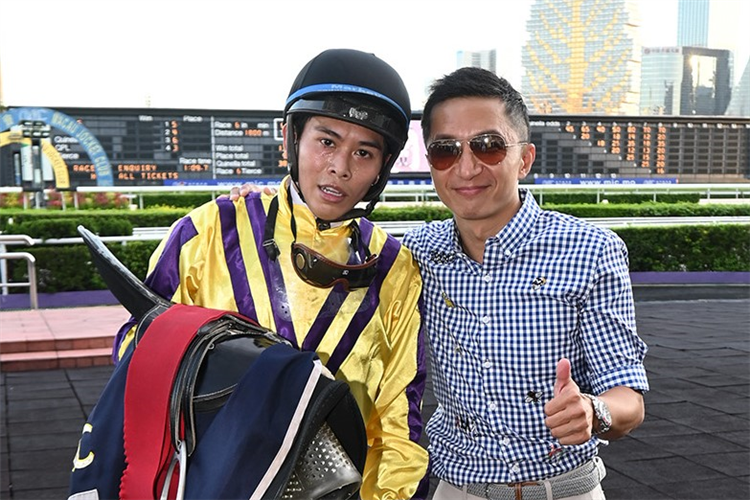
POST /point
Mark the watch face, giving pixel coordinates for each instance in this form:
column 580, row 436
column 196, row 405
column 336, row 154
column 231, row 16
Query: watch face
column 603, row 415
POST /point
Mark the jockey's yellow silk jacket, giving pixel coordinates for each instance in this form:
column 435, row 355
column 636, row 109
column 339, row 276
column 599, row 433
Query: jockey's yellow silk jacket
column 370, row 338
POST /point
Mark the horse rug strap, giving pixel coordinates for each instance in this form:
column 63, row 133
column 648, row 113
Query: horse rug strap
column 283, row 423
column 148, row 388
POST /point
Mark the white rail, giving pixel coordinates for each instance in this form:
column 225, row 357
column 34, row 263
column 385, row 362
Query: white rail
column 426, row 192
column 400, row 228
column 30, row 270
column 12, row 239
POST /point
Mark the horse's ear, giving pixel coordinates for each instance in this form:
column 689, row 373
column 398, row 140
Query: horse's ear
column 136, row 297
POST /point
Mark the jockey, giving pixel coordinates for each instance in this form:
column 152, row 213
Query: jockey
column 307, row 264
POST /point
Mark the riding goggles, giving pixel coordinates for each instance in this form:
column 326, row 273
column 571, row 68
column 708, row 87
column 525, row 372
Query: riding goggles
column 316, row 270
column 487, row 148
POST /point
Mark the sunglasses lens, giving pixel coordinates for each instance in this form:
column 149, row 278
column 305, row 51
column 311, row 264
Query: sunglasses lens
column 489, row 149
column 443, row 154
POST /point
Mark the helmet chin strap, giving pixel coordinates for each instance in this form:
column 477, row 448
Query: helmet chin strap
column 272, row 248
column 324, row 224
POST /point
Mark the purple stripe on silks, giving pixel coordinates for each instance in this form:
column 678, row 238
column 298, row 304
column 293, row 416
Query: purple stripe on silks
column 271, row 270
column 415, row 389
column 165, row 278
column 235, row 262
column 423, row 488
column 332, row 305
column 325, row 317
column 365, row 228
column 367, row 308
column 120, row 336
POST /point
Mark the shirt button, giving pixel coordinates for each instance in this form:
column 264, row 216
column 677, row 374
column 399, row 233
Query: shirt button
column 487, row 278
column 486, row 320
column 506, row 441
column 492, row 406
column 487, row 363
column 515, row 469
column 507, row 253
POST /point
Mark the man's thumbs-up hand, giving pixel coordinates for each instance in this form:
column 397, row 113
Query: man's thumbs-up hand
column 563, row 376
column 570, row 416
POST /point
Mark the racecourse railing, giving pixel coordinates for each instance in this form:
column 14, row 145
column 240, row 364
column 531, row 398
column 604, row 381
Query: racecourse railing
column 18, row 239
column 421, row 193
column 395, row 228
column 400, row 228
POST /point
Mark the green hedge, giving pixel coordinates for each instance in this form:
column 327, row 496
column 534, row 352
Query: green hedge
column 652, row 209
column 65, row 268
column 176, row 200
column 572, row 198
column 121, row 222
column 720, row 247
column 724, row 247
column 669, row 248
column 188, row 200
column 57, row 224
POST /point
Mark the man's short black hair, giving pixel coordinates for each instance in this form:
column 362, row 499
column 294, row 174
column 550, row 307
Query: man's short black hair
column 477, row 82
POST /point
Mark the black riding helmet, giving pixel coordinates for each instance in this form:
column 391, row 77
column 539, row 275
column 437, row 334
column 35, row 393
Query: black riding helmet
column 356, row 87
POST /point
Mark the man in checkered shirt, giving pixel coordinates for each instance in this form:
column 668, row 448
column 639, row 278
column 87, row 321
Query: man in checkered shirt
column 530, row 313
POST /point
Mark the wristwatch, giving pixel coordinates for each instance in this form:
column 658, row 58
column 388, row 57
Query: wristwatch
column 601, row 412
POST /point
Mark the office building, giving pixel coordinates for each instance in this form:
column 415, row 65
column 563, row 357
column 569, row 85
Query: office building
column 692, row 23
column 685, row 81
column 661, row 79
column 486, row 59
column 739, row 104
column 582, row 60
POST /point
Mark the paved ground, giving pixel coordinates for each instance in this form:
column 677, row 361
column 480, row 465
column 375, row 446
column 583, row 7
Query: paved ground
column 694, row 444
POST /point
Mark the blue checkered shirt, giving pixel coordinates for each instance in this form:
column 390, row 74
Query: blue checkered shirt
column 550, row 286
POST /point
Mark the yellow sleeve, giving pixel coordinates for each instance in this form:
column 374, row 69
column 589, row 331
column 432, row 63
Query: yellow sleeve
column 396, row 462
column 189, row 269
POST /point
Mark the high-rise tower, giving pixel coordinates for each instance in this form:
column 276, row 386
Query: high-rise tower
column 583, row 56
column 486, row 59
column 692, row 23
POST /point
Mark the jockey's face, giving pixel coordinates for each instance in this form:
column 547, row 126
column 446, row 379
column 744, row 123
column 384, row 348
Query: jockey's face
column 338, row 162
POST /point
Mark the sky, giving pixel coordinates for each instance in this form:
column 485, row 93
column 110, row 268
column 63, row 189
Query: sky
column 244, row 54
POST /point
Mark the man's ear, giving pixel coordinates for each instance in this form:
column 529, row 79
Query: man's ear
column 527, row 160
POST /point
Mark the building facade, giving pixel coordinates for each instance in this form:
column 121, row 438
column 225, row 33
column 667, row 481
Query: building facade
column 692, row 23
column 661, row 80
column 685, row 81
column 582, row 56
column 739, row 104
column 486, row 59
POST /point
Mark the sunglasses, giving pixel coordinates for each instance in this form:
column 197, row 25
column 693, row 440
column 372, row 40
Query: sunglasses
column 487, row 148
column 316, row 270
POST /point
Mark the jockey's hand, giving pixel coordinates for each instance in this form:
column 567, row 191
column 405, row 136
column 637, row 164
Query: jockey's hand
column 242, row 191
column 570, row 415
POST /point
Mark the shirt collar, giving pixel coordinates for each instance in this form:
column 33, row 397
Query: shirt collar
column 510, row 236
column 518, row 228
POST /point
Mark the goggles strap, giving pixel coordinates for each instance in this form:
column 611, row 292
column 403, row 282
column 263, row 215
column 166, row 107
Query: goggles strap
column 272, row 248
column 269, row 244
column 356, row 241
